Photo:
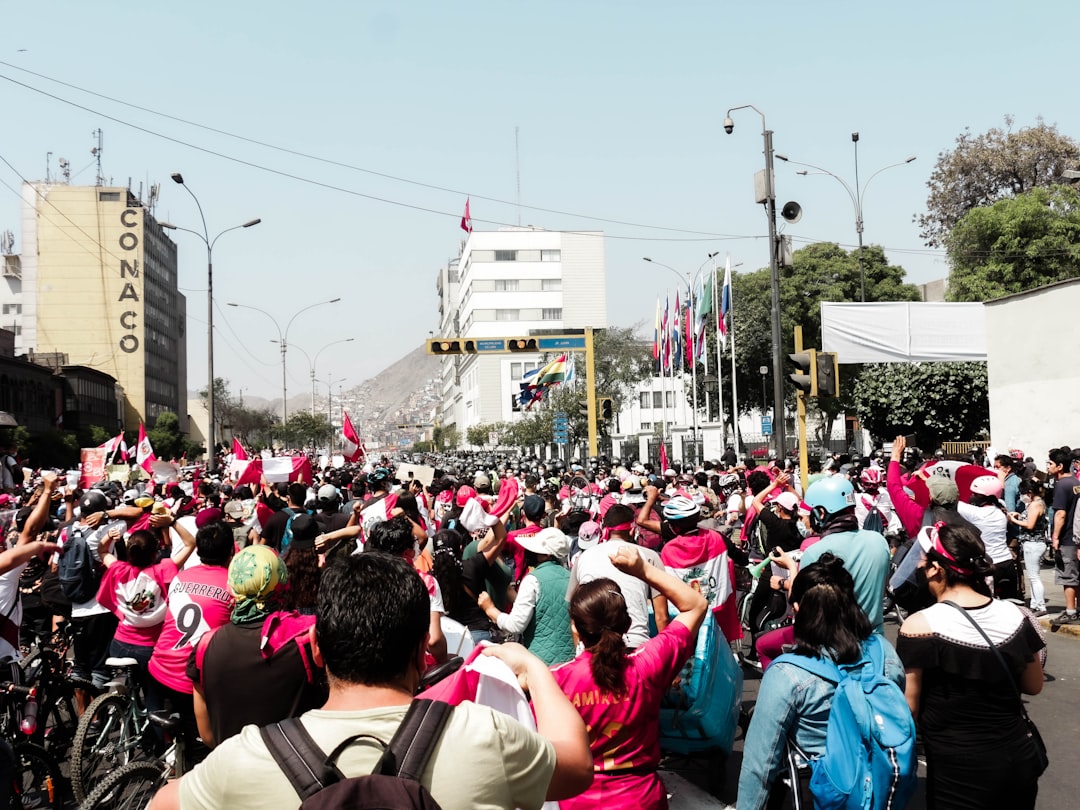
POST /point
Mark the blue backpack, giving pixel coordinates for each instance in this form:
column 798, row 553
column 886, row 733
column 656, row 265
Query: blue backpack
column 869, row 760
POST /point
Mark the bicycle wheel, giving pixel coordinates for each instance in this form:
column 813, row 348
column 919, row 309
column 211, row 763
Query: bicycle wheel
column 105, row 739
column 36, row 781
column 130, row 787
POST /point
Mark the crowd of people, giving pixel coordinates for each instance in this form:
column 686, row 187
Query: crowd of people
column 329, row 600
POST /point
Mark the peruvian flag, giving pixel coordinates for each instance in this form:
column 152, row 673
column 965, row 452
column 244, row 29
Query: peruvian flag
column 144, row 453
column 239, row 453
column 109, row 446
column 466, row 221
column 725, row 305
column 352, row 447
column 122, row 449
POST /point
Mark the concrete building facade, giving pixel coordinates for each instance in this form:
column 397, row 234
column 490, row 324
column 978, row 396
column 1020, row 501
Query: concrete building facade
column 97, row 281
column 505, row 283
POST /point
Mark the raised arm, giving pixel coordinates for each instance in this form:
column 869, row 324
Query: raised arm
column 690, row 604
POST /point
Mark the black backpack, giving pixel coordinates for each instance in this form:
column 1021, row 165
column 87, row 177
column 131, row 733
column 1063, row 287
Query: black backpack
column 78, row 569
column 393, row 785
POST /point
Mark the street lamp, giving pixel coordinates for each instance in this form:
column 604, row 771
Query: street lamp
column 768, row 197
column 313, row 363
column 763, row 371
column 857, row 195
column 283, row 343
column 205, row 236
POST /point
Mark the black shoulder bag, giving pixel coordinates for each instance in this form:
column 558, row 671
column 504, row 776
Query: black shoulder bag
column 1042, row 760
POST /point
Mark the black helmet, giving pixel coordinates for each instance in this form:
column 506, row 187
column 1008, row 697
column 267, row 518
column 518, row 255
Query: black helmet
column 92, row 501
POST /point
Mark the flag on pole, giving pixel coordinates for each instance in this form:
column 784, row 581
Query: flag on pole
column 665, row 338
column 239, row 453
column 725, row 304
column 656, row 337
column 691, row 333
column 466, row 221
column 352, row 448
column 109, row 446
column 663, row 456
column 701, row 316
column 122, row 448
column 676, row 335
column 144, row 453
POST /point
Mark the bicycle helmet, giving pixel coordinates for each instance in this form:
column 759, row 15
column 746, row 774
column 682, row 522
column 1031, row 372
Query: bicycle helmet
column 679, row 507
column 833, row 495
column 988, row 485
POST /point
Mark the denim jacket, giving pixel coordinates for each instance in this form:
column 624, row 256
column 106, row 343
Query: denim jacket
column 791, row 703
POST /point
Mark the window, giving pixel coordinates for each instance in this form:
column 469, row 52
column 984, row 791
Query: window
column 506, row 285
column 108, row 196
column 506, row 314
column 515, row 371
column 549, row 284
column 646, row 425
column 13, row 309
column 551, row 255
column 671, row 399
column 552, row 314
column 646, row 399
column 658, row 399
column 506, row 255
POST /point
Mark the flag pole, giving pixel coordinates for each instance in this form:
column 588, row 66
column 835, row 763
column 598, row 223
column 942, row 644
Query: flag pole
column 690, row 328
column 734, row 385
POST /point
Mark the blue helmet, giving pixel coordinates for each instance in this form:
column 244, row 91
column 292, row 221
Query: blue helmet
column 833, row 494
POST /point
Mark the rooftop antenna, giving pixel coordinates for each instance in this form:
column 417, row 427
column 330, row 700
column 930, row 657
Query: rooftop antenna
column 517, row 169
column 48, row 160
column 96, row 152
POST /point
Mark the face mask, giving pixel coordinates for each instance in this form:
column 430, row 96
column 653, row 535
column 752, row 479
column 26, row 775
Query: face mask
column 804, row 530
column 1025, row 498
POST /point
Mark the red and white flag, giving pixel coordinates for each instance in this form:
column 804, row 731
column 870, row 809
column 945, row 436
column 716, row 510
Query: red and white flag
column 239, row 453
column 122, row 448
column 466, row 221
column 352, row 448
column 144, row 453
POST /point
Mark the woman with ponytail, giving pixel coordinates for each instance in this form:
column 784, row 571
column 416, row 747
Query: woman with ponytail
column 968, row 658
column 793, row 702
column 618, row 693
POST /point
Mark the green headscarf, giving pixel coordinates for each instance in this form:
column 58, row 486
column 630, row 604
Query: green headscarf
column 255, row 575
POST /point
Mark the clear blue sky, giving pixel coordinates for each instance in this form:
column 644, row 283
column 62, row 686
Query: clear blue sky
column 620, row 108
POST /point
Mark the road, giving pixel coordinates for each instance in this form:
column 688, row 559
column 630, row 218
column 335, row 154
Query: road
column 1056, row 712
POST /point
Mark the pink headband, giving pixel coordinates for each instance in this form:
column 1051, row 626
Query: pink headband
column 940, row 550
column 622, row 527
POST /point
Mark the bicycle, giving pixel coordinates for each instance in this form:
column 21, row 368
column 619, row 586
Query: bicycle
column 113, row 731
column 32, row 778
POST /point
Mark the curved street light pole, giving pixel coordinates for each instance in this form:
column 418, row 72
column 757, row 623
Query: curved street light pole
column 282, row 341
column 313, row 363
column 774, row 276
column 857, row 195
column 211, row 461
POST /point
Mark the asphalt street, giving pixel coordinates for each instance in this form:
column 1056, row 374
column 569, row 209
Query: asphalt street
column 1056, row 711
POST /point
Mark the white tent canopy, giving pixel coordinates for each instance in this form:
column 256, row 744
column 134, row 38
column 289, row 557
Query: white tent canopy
column 899, row 332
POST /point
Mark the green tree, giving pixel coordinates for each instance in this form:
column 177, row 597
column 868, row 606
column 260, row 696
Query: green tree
column 935, row 401
column 49, row 448
column 1015, row 245
column 167, row 439
column 303, row 429
column 995, row 165
column 477, row 435
column 446, row 437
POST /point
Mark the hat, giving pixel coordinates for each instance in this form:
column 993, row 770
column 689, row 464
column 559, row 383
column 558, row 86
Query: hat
column 588, row 534
column 234, row 509
column 942, row 490
column 534, row 507
column 465, row 494
column 481, row 480
column 549, row 541
column 638, row 468
column 255, row 573
column 208, row 516
column 327, row 492
column 304, row 531
column 669, row 473
column 128, row 498
column 788, row 500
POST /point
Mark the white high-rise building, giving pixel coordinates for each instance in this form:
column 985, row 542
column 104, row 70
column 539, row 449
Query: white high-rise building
column 507, row 283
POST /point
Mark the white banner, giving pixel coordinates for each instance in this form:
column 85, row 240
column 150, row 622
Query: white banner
column 903, row 332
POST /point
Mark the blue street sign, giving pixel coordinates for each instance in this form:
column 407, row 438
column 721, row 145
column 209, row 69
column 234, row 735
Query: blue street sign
column 766, row 426
column 491, row 345
column 561, row 343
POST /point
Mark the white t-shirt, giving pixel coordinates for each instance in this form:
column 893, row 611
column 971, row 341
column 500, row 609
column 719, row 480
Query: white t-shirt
column 992, row 525
column 188, row 522
column 595, row 563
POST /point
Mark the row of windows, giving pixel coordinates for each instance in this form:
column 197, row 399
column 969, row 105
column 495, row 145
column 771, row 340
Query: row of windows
column 655, row 399
column 517, row 370
column 13, row 309
column 547, row 314
column 514, row 284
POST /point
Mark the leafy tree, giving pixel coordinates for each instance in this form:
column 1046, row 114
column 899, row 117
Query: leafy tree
column 49, row 448
column 622, row 361
column 935, row 401
column 303, row 429
column 477, row 435
column 167, row 439
column 1015, row 244
column 997, row 164
column 446, row 437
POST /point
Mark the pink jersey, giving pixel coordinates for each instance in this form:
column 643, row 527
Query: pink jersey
column 199, row 600
column 137, row 597
column 624, row 730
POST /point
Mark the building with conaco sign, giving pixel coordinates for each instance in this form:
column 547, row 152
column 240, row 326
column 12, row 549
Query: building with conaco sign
column 97, row 282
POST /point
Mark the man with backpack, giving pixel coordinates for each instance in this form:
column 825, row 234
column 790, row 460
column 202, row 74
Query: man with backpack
column 11, row 472
column 370, row 634
column 276, row 533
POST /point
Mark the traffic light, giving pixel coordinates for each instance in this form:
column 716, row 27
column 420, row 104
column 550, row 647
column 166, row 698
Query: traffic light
column 522, row 345
column 583, row 408
column 606, row 407
column 468, row 347
column 439, row 346
column 828, row 375
column 806, row 379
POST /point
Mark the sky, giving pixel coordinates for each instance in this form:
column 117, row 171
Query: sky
column 356, row 131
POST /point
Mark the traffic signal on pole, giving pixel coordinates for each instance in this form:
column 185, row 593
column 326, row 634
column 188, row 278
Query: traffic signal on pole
column 828, row 375
column 522, row 345
column 439, row 346
column 583, row 408
column 806, row 378
column 606, row 407
column 468, row 347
